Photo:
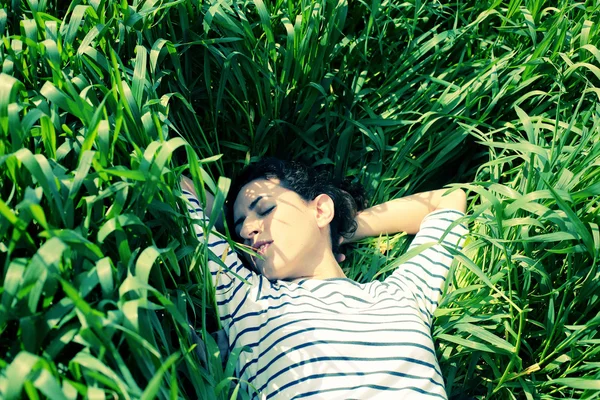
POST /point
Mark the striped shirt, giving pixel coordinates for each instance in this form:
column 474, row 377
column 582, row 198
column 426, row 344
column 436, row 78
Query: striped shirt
column 336, row 338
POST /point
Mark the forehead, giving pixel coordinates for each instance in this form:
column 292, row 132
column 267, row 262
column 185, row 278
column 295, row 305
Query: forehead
column 258, row 188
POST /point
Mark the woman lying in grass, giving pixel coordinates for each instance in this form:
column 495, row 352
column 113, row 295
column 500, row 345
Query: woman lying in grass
column 313, row 333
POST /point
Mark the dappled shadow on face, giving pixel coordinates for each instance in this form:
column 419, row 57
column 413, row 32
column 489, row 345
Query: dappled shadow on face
column 288, row 226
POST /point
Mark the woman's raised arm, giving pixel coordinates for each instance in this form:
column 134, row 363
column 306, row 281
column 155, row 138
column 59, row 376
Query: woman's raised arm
column 188, row 185
column 405, row 214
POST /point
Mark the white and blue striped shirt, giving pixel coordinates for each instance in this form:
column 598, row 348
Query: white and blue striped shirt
column 335, row 338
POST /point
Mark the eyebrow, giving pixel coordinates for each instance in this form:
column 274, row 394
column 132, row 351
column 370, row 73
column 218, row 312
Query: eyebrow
column 250, row 207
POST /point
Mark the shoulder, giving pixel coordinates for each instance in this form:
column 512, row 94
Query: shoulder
column 454, row 200
column 444, row 215
column 444, row 224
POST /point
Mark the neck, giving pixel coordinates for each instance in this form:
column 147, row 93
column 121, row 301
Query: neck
column 327, row 268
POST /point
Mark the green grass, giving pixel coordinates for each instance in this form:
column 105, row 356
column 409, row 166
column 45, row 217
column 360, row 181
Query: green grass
column 103, row 106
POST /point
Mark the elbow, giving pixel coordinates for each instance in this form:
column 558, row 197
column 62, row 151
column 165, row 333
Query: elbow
column 457, row 200
column 187, row 184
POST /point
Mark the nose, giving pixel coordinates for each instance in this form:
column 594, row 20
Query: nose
column 250, row 228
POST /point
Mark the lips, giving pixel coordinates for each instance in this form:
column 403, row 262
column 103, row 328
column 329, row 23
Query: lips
column 262, row 246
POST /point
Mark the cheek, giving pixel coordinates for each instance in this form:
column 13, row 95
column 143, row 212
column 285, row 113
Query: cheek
column 288, row 224
column 295, row 236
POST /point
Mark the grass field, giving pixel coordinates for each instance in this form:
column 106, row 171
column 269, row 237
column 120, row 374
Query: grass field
column 104, row 104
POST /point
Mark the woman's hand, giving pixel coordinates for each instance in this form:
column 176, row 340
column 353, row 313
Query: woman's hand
column 340, row 257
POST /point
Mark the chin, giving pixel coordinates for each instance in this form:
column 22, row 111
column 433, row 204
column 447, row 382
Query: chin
column 269, row 276
column 272, row 274
column 264, row 271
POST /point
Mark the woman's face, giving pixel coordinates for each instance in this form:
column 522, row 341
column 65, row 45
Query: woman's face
column 281, row 226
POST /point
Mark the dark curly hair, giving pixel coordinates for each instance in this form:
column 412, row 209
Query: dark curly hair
column 348, row 198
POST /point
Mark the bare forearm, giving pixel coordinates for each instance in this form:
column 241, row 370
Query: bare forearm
column 405, row 214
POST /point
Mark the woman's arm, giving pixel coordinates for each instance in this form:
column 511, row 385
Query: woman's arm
column 405, row 214
column 227, row 273
column 188, row 184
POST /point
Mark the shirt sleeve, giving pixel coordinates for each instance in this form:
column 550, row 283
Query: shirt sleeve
column 231, row 280
column 425, row 273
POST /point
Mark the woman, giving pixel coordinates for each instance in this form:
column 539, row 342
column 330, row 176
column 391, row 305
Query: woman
column 310, row 331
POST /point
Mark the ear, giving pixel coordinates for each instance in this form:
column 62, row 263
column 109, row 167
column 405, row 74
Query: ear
column 324, row 209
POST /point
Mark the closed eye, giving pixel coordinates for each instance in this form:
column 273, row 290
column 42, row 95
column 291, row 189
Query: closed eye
column 262, row 214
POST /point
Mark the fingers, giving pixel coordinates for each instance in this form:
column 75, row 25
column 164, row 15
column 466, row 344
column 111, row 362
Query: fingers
column 339, row 257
